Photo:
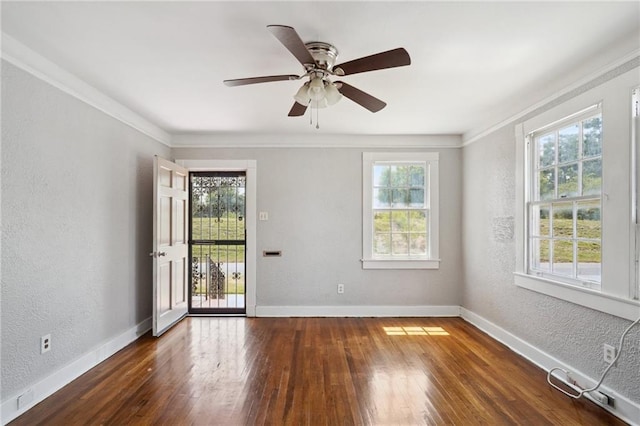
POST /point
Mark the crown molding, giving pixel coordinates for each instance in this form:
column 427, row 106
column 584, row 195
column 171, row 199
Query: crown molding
column 249, row 140
column 28, row 60
column 470, row 137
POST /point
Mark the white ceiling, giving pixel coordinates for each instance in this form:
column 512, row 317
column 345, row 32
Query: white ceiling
column 473, row 64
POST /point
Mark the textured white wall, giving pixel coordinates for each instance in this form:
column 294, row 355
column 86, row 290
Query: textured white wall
column 314, row 200
column 76, row 205
column 566, row 331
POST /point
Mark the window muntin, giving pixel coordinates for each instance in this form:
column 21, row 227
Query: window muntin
column 616, row 295
column 564, row 232
column 400, row 210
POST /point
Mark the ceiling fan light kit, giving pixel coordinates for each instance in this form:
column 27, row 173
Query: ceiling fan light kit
column 318, row 59
column 318, row 93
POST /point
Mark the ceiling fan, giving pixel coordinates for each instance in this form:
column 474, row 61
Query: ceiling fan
column 318, row 60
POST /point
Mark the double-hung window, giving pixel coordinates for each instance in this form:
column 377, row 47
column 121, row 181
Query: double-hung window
column 400, row 212
column 564, row 229
column 576, row 200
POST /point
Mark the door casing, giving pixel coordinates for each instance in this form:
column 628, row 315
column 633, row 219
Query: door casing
column 250, row 168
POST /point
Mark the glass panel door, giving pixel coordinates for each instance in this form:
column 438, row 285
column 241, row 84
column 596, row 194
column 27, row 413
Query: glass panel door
column 217, row 243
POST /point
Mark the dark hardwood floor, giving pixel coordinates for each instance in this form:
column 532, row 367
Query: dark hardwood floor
column 315, row 371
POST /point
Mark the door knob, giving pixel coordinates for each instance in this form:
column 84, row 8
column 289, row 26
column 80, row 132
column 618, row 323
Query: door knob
column 157, row 254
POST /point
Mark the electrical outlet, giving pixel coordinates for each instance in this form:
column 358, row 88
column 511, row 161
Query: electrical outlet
column 45, row 343
column 340, row 288
column 609, row 353
column 600, row 397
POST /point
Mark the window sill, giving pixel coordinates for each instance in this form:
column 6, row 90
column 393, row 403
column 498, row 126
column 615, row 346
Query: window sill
column 400, row 264
column 613, row 305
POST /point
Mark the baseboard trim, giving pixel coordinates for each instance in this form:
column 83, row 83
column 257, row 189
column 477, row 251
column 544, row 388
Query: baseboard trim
column 625, row 409
column 357, row 311
column 65, row 375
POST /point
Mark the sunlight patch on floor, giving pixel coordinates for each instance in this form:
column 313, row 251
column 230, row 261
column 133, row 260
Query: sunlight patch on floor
column 415, row 331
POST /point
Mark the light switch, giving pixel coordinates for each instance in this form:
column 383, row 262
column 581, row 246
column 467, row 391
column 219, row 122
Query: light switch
column 264, row 216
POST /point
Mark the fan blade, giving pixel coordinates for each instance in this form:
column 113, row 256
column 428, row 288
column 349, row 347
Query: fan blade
column 297, row 110
column 389, row 59
column 292, row 41
column 360, row 97
column 254, row 80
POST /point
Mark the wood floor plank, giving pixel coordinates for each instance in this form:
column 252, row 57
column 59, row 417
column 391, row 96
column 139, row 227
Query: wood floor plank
column 315, row 371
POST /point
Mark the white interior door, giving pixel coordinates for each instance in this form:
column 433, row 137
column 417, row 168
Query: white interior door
column 170, row 248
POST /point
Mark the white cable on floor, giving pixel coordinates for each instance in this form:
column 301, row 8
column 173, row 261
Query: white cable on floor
column 583, row 391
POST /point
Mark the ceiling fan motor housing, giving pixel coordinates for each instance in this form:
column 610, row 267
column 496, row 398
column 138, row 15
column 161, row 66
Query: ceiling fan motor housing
column 324, row 54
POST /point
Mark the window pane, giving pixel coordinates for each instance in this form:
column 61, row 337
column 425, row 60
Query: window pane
column 546, row 150
column 562, row 257
column 589, row 261
column 568, row 181
column 381, row 198
column 416, row 197
column 588, row 220
column 400, row 221
column 400, row 176
column 568, row 143
column 381, row 175
column 416, row 175
column 563, row 220
column 540, row 254
column 546, row 184
column 540, row 220
column 592, row 131
column 400, row 244
column 565, row 234
column 382, row 222
column 400, row 198
column 418, row 221
column 381, row 243
column 397, row 221
column 592, row 177
column 418, row 244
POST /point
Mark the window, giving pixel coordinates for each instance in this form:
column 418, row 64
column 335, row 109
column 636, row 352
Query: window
column 576, row 177
column 400, row 210
column 564, row 228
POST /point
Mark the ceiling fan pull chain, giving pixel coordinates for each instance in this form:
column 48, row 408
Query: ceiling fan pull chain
column 317, row 118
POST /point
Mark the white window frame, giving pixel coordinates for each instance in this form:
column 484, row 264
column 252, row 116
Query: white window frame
column 431, row 260
column 618, row 293
column 635, row 189
column 532, row 187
